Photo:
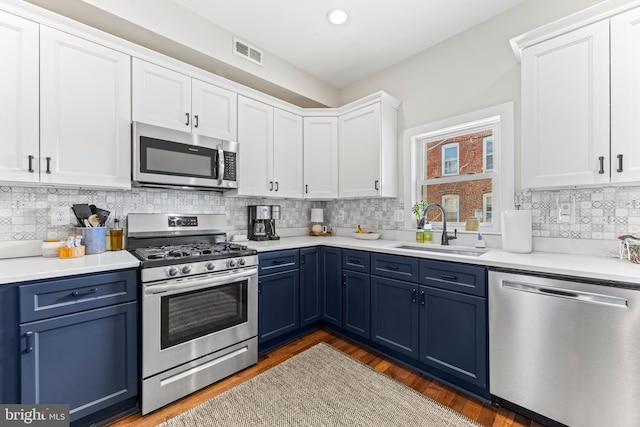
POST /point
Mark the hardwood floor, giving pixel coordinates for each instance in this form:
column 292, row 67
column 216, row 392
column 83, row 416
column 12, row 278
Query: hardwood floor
column 477, row 410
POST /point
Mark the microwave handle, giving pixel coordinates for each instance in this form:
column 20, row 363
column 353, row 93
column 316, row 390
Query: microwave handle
column 220, row 165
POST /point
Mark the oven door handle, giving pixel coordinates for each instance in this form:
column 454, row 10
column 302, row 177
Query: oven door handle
column 202, row 283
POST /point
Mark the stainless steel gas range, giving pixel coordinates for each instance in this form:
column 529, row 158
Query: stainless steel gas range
column 199, row 304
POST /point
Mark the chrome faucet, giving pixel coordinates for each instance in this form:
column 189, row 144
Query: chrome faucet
column 445, row 237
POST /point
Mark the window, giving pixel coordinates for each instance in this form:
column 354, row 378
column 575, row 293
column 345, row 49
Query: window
column 451, row 205
column 487, row 153
column 464, row 163
column 487, row 208
column 450, row 159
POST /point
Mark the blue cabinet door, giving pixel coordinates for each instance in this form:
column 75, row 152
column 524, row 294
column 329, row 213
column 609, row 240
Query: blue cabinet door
column 87, row 360
column 356, row 303
column 310, row 286
column 331, row 267
column 394, row 315
column 9, row 342
column 453, row 334
column 278, row 304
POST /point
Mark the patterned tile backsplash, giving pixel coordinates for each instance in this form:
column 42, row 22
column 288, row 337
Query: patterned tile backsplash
column 600, row 213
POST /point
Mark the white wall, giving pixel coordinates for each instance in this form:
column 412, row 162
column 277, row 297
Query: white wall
column 473, row 70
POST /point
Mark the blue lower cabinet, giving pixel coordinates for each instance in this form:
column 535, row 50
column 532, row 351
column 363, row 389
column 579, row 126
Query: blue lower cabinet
column 87, row 360
column 453, row 334
column 278, row 304
column 394, row 315
column 310, row 286
column 331, row 260
column 356, row 303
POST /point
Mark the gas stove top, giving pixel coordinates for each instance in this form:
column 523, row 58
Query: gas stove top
column 193, row 252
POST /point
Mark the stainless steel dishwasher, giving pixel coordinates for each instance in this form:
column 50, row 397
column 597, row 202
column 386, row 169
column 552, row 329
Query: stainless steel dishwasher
column 566, row 349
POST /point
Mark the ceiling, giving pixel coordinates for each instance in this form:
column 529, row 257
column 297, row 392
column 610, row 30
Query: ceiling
column 379, row 33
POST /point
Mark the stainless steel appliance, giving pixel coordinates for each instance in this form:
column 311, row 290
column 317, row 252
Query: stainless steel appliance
column 262, row 224
column 170, row 158
column 199, row 304
column 566, row 348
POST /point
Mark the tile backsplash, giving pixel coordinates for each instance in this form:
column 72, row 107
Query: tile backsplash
column 600, row 213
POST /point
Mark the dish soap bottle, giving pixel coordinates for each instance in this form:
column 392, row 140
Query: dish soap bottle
column 428, row 233
column 480, row 241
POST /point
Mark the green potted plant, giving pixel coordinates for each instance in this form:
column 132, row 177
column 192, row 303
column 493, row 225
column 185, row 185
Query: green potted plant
column 417, row 209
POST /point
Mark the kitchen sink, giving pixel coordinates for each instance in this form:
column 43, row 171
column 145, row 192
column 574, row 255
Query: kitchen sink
column 444, row 249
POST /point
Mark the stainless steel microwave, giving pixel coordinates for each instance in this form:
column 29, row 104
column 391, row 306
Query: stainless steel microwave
column 164, row 157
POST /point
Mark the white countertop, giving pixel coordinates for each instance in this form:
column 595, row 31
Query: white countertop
column 583, row 266
column 38, row 267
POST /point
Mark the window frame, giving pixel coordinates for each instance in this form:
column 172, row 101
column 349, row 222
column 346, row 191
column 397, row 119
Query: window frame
column 455, row 197
column 444, row 147
column 503, row 173
column 484, row 207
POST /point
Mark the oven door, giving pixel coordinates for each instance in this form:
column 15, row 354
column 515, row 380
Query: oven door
column 184, row 319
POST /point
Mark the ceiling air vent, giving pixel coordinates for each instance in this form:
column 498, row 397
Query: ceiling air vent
column 247, row 51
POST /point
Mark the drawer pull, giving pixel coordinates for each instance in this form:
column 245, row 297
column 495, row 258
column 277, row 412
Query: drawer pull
column 90, row 291
column 413, row 295
column 355, row 261
column 278, row 261
column 422, row 298
column 28, row 336
column 393, row 267
column 448, row 277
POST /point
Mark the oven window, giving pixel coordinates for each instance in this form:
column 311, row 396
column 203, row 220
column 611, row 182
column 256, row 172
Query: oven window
column 190, row 315
column 172, row 158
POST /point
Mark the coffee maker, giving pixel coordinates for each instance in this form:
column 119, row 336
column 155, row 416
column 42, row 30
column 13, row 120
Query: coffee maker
column 262, row 222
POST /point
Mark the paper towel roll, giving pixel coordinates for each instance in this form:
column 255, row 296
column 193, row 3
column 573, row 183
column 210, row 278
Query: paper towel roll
column 516, row 231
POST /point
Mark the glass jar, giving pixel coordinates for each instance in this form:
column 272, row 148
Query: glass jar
column 420, row 236
column 50, row 247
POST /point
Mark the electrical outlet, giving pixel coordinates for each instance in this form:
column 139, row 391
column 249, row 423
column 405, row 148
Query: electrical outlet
column 60, row 215
column 398, row 215
column 340, row 216
column 564, row 212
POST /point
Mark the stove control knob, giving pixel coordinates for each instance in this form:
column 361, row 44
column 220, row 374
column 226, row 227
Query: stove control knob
column 242, row 261
column 210, row 266
column 172, row 271
column 186, row 269
column 232, row 263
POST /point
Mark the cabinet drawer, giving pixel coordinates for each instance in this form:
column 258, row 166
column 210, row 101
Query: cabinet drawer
column 274, row 262
column 50, row 298
column 469, row 279
column 355, row 260
column 395, row 267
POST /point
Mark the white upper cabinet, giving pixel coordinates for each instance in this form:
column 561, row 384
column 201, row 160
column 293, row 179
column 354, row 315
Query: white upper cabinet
column 320, row 157
column 270, row 160
column 368, row 152
column 166, row 98
column 625, row 97
column 565, row 109
column 85, row 112
column 19, row 101
column 581, row 99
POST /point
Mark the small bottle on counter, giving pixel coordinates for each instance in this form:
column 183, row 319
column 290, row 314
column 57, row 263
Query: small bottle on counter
column 50, row 247
column 116, row 236
column 428, row 233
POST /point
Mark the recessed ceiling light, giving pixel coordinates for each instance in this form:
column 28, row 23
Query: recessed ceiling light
column 337, row 16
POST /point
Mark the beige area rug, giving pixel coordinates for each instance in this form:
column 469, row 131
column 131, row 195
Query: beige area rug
column 321, row 387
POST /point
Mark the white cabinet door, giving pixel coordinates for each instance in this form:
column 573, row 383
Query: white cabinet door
column 214, row 111
column 19, row 133
column 161, row 96
column 320, row 157
column 255, row 137
column 625, row 97
column 565, row 109
column 287, row 154
column 85, row 105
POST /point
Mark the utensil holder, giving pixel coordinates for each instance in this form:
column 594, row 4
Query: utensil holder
column 93, row 238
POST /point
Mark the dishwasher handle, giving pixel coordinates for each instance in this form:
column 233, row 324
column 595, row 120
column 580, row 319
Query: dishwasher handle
column 571, row 294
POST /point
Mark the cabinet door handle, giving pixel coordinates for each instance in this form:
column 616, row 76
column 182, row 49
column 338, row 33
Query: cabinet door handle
column 90, row 291
column 302, row 259
column 270, row 185
column 277, row 185
column 187, row 114
column 344, row 280
column 195, row 120
column 306, row 189
column 619, row 163
column 393, row 267
column 48, row 164
column 413, row 295
column 422, row 298
column 601, row 159
column 375, row 185
column 448, row 277
column 31, row 163
column 28, row 336
column 259, row 287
